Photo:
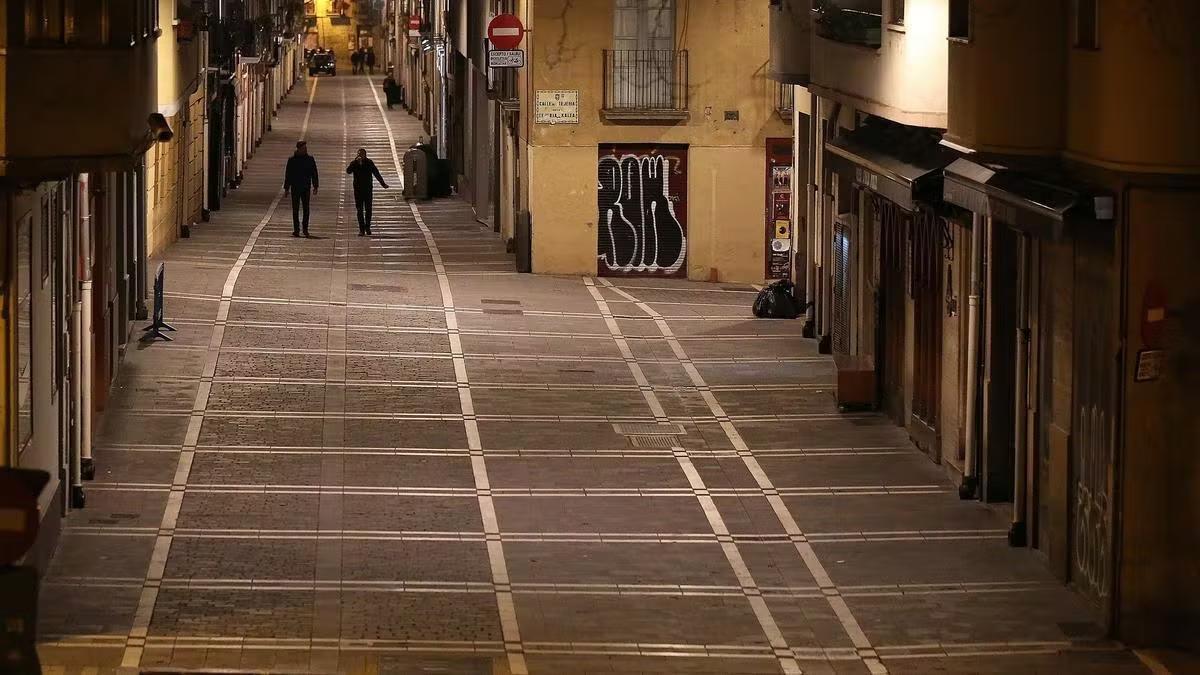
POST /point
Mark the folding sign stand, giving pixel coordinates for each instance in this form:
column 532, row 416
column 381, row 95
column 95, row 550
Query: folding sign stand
column 155, row 329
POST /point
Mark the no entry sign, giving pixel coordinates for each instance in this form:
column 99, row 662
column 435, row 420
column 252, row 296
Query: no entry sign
column 505, row 31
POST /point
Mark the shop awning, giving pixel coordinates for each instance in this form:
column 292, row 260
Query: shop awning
column 904, row 170
column 1023, row 200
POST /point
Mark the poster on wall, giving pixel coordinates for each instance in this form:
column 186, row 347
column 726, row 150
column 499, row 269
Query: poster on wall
column 778, row 255
column 642, row 199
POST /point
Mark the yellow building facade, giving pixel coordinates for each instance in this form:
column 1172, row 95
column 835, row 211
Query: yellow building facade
column 689, row 97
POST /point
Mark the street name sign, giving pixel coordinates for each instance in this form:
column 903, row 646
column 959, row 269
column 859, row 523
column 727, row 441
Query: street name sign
column 557, row 106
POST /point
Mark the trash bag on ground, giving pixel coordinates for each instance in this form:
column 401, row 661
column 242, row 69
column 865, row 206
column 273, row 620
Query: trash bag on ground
column 776, row 302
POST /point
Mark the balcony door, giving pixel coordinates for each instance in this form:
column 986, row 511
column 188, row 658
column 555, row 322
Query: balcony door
column 643, row 54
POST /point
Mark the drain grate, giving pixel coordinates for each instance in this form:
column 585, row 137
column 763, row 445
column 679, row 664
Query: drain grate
column 649, row 429
column 490, row 301
column 378, row 287
column 643, row 441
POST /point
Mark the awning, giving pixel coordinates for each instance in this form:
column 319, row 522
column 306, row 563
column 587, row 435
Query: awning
column 1026, row 201
column 903, row 170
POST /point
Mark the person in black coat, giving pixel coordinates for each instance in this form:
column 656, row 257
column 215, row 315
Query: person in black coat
column 364, row 170
column 369, row 59
column 299, row 178
column 391, row 90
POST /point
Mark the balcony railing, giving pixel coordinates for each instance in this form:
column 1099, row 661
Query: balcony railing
column 785, row 100
column 645, row 84
column 856, row 23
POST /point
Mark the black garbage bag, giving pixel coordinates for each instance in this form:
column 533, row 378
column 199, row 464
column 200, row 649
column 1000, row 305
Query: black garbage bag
column 776, row 301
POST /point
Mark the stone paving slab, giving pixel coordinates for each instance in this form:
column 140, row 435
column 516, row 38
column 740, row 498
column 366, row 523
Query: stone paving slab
column 358, row 500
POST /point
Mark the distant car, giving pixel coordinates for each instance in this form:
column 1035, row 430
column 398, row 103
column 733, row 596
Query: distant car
column 322, row 63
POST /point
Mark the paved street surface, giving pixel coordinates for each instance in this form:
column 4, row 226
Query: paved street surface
column 396, row 455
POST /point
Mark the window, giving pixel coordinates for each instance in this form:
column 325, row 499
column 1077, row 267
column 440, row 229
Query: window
column 643, row 61
column 44, row 22
column 1087, row 24
column 87, row 23
column 897, row 12
column 960, row 20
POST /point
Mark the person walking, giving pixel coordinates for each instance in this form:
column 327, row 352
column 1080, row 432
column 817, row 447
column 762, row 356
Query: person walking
column 370, row 59
column 391, row 90
column 363, row 170
column 299, row 178
column 356, row 61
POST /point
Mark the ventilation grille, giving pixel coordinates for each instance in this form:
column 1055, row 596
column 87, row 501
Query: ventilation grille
column 649, row 429
column 642, row 441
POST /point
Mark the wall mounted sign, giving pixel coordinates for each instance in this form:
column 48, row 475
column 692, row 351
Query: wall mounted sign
column 557, row 106
column 1149, row 365
column 506, row 58
column 778, row 256
column 505, row 31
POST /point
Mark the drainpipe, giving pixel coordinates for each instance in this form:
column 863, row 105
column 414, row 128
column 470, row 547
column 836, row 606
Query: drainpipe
column 80, row 199
column 87, row 465
column 970, row 479
column 1016, row 530
column 810, row 214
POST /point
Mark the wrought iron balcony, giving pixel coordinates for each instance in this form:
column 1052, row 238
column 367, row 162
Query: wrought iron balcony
column 856, row 22
column 785, row 100
column 645, row 84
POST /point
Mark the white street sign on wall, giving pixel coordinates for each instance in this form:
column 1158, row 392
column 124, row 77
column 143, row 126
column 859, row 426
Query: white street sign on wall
column 557, row 106
column 506, row 58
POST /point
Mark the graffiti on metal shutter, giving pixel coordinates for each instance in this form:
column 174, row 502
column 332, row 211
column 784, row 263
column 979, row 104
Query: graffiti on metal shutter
column 642, row 195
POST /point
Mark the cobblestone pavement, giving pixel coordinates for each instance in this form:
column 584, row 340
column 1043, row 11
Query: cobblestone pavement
column 394, row 455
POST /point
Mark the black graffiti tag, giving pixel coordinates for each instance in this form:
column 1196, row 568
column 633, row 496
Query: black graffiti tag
column 639, row 230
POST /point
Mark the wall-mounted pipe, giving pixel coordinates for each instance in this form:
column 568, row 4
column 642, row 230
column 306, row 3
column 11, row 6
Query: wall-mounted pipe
column 88, row 255
column 1017, row 528
column 970, row 479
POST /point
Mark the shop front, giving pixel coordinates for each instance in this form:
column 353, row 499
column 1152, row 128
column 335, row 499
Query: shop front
column 1048, row 354
column 888, row 248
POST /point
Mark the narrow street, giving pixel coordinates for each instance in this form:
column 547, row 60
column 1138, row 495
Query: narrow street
column 392, row 453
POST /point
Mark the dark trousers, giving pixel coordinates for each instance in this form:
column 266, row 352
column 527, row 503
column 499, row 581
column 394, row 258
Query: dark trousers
column 299, row 198
column 362, row 204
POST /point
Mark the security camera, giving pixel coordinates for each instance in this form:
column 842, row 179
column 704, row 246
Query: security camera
column 159, row 129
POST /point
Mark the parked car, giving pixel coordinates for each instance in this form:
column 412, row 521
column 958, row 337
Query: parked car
column 322, row 63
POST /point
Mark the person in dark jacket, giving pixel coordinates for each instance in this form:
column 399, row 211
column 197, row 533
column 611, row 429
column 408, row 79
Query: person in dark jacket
column 299, row 178
column 391, row 90
column 356, row 58
column 364, row 170
column 369, row 58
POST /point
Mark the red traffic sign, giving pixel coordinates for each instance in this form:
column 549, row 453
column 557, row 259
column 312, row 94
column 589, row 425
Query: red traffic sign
column 414, row 23
column 506, row 31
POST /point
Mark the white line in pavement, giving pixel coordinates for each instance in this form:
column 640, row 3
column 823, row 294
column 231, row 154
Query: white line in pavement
column 836, row 602
column 505, row 602
column 699, row 491
column 136, row 640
